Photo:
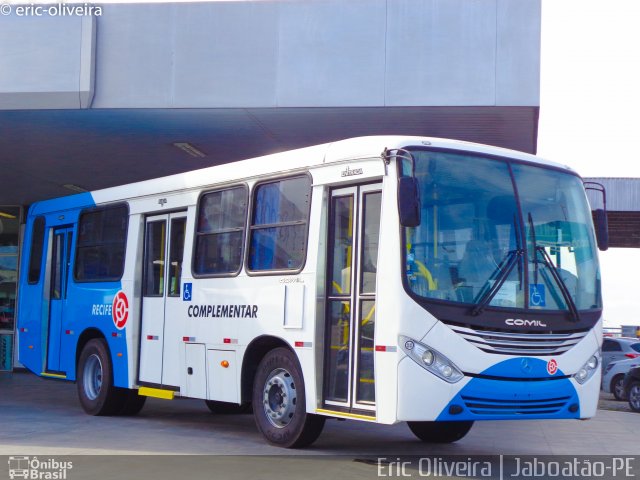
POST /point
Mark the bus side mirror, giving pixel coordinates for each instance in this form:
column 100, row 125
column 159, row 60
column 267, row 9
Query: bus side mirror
column 602, row 228
column 600, row 215
column 409, row 201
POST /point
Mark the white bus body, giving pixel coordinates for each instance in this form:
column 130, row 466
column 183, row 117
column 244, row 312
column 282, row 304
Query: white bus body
column 238, row 283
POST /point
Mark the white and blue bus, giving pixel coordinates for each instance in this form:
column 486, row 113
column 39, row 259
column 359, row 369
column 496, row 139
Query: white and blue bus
column 381, row 279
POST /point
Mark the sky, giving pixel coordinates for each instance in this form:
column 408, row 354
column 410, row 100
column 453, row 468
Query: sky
column 590, row 114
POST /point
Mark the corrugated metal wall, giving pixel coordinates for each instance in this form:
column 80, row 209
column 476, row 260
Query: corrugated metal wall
column 623, row 207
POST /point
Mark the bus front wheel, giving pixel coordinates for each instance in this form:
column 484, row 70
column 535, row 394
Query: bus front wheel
column 97, row 394
column 279, row 406
column 440, row 432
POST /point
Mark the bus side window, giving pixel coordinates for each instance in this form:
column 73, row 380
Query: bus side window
column 278, row 235
column 220, row 232
column 101, row 244
column 35, row 255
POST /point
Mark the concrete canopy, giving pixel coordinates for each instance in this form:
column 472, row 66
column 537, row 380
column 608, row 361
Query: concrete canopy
column 97, row 101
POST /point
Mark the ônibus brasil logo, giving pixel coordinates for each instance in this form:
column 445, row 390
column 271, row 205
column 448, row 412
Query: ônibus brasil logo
column 32, row 468
column 120, row 310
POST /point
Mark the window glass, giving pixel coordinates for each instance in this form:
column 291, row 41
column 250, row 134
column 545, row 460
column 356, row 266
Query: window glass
column 636, row 347
column 57, row 267
column 560, row 240
column 220, row 231
column 154, row 252
column 8, row 278
column 609, row 346
column 468, row 229
column 101, row 244
column 370, row 236
column 279, row 224
column 35, row 256
column 176, row 249
column 365, row 390
column 9, row 227
column 471, row 242
column 342, row 248
column 9, row 235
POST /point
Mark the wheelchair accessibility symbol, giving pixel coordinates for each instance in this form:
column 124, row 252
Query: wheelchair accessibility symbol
column 186, row 292
column 537, row 296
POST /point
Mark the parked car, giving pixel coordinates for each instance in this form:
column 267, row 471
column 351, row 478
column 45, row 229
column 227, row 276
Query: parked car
column 614, row 349
column 632, row 388
column 613, row 376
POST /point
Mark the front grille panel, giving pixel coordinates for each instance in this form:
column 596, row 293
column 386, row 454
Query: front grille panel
column 523, row 344
column 488, row 406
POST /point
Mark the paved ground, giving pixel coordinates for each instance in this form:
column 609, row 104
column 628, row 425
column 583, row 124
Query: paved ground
column 608, row 402
column 39, row 416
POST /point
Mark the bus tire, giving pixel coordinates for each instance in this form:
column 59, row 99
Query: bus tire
column 279, row 406
column 440, row 432
column 132, row 403
column 96, row 392
column 226, row 408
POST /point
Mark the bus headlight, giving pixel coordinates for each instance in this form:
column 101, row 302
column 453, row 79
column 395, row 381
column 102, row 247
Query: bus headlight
column 588, row 369
column 430, row 359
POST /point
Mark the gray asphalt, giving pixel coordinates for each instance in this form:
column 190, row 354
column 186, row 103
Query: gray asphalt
column 40, row 416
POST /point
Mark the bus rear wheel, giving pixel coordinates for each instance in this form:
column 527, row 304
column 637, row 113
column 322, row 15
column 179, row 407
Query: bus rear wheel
column 96, row 392
column 279, row 406
column 440, row 432
column 131, row 402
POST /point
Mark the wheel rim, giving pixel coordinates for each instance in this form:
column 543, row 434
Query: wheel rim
column 92, row 378
column 279, row 398
column 634, row 397
column 619, row 388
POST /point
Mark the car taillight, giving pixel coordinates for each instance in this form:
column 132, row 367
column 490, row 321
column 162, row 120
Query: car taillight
column 632, row 355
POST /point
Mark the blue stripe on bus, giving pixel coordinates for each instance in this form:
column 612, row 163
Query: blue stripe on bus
column 33, row 316
column 520, row 398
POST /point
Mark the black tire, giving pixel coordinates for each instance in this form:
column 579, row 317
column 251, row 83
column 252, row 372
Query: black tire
column 279, row 406
column 440, row 432
column 617, row 387
column 96, row 392
column 226, row 408
column 634, row 396
column 132, row 403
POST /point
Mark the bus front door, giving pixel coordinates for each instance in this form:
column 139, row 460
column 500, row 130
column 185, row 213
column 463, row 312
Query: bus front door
column 59, row 265
column 354, row 227
column 162, row 271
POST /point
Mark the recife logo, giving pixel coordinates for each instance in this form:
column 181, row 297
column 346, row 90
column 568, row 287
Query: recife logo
column 120, row 310
column 552, row 367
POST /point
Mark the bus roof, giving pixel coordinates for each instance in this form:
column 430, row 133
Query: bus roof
column 282, row 162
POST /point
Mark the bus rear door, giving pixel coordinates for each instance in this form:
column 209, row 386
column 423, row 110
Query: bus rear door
column 163, row 254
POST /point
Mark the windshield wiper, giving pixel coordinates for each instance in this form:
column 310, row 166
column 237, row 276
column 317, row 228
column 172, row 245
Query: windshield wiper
column 499, row 276
column 563, row 286
column 554, row 272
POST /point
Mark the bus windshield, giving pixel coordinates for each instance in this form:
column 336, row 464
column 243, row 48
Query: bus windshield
column 495, row 233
